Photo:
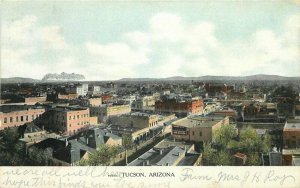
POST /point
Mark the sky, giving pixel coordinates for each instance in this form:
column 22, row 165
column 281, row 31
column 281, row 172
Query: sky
column 110, row 40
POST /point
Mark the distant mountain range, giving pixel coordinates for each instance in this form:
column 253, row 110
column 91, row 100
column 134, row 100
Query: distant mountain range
column 217, row 78
column 50, row 77
column 78, row 77
column 18, row 80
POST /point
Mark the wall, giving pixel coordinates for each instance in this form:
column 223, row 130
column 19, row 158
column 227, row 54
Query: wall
column 67, row 122
column 172, row 106
column 19, row 117
column 95, row 101
column 196, row 133
column 33, row 100
column 136, row 121
column 291, row 138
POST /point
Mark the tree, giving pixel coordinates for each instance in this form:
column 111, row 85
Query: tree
column 249, row 139
column 223, row 158
column 10, row 136
column 253, row 159
column 252, row 142
column 284, row 91
column 266, row 145
column 39, row 156
column 224, row 134
column 208, row 153
column 102, row 156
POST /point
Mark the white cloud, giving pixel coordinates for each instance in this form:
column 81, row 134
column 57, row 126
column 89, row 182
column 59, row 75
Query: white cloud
column 29, row 49
column 52, row 37
column 166, row 27
column 114, row 60
column 169, row 47
column 19, row 32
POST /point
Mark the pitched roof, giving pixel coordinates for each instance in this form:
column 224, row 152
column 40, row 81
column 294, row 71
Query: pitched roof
column 31, row 127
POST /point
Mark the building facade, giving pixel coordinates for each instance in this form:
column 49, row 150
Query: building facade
column 136, row 120
column 197, row 128
column 14, row 116
column 104, row 112
column 175, row 106
column 67, row 120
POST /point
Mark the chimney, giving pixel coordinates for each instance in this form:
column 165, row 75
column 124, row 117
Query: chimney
column 161, row 151
column 67, row 143
column 87, row 141
column 148, row 162
column 178, row 153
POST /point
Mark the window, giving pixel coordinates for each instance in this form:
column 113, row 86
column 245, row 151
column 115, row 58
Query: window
column 70, row 117
column 17, row 119
column 81, row 116
column 21, row 118
column 200, row 133
column 74, row 117
column 26, row 118
column 5, row 120
column 32, row 117
column 77, row 116
column 70, row 125
column 193, row 133
column 10, row 119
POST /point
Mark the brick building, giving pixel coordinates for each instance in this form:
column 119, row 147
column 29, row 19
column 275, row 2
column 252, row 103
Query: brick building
column 17, row 115
column 67, row 120
column 291, row 141
column 291, row 134
column 176, row 106
column 106, row 98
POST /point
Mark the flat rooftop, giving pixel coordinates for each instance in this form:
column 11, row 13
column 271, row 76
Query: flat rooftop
column 13, row 108
column 197, row 121
column 292, row 125
column 189, row 160
column 293, row 151
column 69, row 108
column 122, row 129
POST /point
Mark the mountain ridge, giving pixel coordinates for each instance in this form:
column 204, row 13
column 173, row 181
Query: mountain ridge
column 176, row 78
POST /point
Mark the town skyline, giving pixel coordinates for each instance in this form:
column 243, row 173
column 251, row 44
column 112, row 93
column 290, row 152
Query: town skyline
column 149, row 40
